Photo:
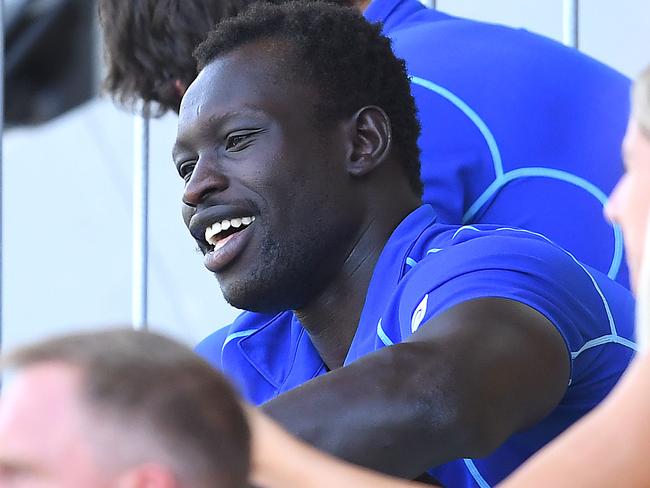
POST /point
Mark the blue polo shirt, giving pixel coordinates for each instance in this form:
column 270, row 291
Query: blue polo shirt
column 424, row 269
column 517, row 129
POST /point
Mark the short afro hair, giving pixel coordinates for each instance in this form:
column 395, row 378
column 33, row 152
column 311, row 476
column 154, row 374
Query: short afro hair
column 334, row 49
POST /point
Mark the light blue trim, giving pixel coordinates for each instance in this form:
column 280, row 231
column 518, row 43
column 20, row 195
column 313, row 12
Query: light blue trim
column 464, row 227
column 608, row 339
column 410, row 262
column 232, row 337
column 471, row 114
column 556, row 174
column 237, row 335
column 473, row 470
column 382, row 335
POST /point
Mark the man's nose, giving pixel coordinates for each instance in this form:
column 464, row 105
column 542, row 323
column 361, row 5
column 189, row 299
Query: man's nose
column 206, row 179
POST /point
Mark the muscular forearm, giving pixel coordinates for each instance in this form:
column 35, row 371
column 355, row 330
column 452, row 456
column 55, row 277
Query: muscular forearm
column 382, row 412
column 607, row 448
column 282, row 461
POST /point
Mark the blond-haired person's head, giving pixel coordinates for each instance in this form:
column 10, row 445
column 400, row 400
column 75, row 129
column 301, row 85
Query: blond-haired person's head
column 629, row 202
column 119, row 409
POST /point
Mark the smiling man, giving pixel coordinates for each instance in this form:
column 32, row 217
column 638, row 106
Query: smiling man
column 520, row 148
column 374, row 331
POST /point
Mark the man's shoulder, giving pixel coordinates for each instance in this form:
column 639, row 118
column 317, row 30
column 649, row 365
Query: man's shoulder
column 459, row 263
column 474, row 243
column 458, row 250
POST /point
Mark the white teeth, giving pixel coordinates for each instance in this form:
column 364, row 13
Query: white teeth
column 212, row 232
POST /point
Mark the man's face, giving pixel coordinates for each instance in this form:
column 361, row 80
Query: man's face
column 629, row 203
column 43, row 435
column 267, row 195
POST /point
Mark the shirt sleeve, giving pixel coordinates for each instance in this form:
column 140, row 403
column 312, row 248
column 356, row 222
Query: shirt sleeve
column 503, row 265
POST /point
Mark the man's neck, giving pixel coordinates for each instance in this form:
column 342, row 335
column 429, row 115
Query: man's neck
column 331, row 319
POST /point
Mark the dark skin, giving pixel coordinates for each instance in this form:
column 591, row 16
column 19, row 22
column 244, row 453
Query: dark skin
column 462, row 384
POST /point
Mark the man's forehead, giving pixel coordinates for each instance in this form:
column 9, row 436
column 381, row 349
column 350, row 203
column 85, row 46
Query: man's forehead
column 250, row 80
column 40, row 390
column 263, row 63
column 39, row 411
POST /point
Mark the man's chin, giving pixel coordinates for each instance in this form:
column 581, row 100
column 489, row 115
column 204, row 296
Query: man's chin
column 246, row 298
column 254, row 297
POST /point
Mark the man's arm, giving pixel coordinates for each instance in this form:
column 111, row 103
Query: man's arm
column 458, row 387
column 279, row 460
column 609, row 447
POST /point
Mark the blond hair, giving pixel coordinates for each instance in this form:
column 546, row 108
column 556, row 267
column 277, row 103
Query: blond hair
column 156, row 398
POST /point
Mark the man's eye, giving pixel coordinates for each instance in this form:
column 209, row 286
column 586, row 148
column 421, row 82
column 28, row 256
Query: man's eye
column 236, row 141
column 185, row 169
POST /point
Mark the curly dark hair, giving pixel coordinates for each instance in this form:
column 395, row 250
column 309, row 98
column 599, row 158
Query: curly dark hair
column 148, row 45
column 342, row 55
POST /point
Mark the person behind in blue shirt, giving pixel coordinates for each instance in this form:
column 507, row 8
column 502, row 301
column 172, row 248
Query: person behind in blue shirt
column 374, row 331
column 516, row 128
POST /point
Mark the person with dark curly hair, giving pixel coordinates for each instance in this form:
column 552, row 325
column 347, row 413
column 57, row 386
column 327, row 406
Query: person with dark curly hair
column 506, row 139
column 373, row 330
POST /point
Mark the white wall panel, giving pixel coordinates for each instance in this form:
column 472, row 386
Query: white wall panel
column 617, row 33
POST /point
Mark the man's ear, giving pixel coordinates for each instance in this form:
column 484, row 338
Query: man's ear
column 371, row 134
column 150, row 475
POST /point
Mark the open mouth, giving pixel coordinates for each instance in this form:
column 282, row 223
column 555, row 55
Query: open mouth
column 219, row 233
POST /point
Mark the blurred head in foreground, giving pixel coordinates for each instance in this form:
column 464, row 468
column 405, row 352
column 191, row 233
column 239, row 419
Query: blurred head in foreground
column 118, row 409
column 629, row 203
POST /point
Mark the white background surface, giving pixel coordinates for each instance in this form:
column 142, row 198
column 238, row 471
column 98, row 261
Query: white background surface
column 67, row 197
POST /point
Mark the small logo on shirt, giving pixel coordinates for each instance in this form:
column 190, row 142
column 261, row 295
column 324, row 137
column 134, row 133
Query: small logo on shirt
column 418, row 315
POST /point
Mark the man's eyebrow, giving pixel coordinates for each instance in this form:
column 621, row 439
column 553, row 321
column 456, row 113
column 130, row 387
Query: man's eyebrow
column 217, row 119
column 178, row 147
